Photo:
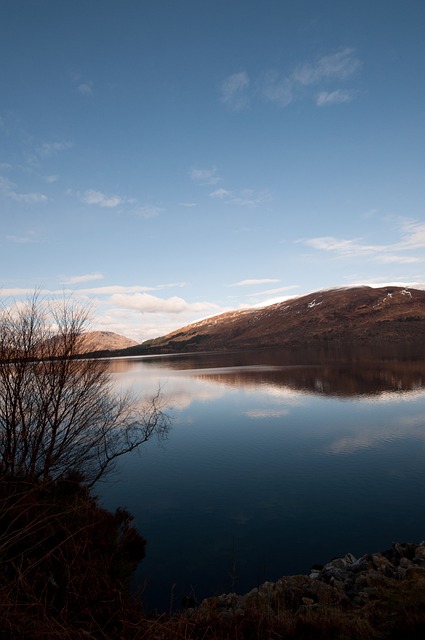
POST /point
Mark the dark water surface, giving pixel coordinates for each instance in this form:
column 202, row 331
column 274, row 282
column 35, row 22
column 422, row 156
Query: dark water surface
column 275, row 461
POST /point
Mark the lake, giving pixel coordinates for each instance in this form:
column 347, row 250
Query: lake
column 275, row 461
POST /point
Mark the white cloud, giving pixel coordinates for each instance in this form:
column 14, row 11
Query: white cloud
column 254, row 282
column 8, row 189
column 327, row 98
column 146, row 303
column 342, row 246
column 91, row 196
column 204, row 176
column 250, row 198
column 50, row 148
column 412, row 238
column 278, row 89
column 170, row 285
column 234, row 91
column 242, row 198
column 398, row 259
column 85, row 88
column 340, row 65
column 282, row 88
column 47, row 150
column 146, row 211
column 111, row 290
column 220, row 194
column 88, row 277
column 51, row 179
column 29, row 238
column 29, row 198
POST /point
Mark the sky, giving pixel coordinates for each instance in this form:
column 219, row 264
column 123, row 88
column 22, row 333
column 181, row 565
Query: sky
column 167, row 160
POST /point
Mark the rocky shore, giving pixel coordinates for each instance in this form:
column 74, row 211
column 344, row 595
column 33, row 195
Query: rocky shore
column 347, row 583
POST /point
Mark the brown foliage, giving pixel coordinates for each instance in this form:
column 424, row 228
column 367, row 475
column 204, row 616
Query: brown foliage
column 66, row 563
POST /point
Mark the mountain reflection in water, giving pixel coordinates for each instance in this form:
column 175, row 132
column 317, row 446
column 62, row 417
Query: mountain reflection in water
column 347, row 371
column 276, row 460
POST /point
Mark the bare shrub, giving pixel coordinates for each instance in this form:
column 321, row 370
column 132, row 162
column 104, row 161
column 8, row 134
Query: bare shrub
column 60, row 414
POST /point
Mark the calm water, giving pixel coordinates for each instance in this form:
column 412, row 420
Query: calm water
column 274, row 462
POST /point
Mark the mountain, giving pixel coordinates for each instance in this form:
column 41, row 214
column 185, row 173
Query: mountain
column 356, row 314
column 94, row 341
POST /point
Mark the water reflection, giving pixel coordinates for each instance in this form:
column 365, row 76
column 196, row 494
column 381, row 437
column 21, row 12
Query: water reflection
column 348, row 372
column 283, row 459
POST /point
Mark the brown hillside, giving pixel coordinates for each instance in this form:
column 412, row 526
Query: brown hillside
column 93, row 341
column 357, row 314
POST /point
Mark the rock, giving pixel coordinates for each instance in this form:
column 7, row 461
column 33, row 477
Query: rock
column 314, row 574
column 420, row 553
column 380, row 562
column 345, row 582
column 361, row 564
column 336, row 563
column 405, row 563
column 350, row 559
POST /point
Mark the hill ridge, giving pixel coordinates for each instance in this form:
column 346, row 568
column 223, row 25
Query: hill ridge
column 343, row 314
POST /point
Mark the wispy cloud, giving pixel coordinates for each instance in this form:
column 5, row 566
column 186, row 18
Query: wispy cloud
column 328, row 98
column 280, row 88
column 126, row 205
column 91, row 196
column 82, row 85
column 242, row 198
column 188, row 205
column 253, row 282
column 46, row 151
column 277, row 88
column 85, row 88
column 29, row 238
column 221, row 194
column 88, row 277
column 51, row 148
column 111, row 290
column 250, row 198
column 8, row 189
column 234, row 91
column 276, row 292
column 204, row 176
column 412, row 237
column 398, row 259
column 100, row 291
column 339, row 65
column 146, row 211
column 342, row 246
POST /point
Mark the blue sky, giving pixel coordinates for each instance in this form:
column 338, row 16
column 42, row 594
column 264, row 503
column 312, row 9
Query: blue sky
column 166, row 160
